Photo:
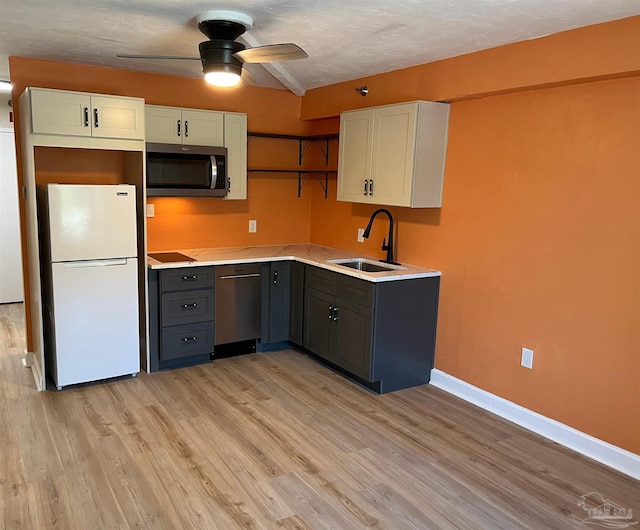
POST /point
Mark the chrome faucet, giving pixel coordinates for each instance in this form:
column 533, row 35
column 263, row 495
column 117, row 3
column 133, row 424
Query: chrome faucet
column 388, row 247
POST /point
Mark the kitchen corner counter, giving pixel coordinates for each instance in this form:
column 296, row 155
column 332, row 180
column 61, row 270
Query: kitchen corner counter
column 309, row 254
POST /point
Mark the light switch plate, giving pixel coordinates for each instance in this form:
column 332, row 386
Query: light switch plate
column 360, row 235
column 151, row 210
column 527, row 358
column 253, row 226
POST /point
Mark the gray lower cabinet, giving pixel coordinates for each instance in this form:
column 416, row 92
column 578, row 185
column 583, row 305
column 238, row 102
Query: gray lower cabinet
column 382, row 333
column 278, row 313
column 337, row 328
column 181, row 315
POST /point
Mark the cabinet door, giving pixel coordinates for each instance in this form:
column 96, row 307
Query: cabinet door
column 59, row 112
column 354, row 155
column 318, row 322
column 352, row 327
column 235, row 140
column 202, row 127
column 116, row 117
column 393, row 154
column 279, row 301
column 163, row 124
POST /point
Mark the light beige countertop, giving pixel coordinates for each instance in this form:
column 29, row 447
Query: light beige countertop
column 310, row 254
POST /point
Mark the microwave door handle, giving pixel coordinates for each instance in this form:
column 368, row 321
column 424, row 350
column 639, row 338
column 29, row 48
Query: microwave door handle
column 214, row 172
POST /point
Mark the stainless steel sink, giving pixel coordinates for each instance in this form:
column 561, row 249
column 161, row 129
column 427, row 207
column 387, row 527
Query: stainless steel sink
column 366, row 265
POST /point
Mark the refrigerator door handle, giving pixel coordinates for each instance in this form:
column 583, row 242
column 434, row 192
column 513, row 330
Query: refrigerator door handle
column 95, row 263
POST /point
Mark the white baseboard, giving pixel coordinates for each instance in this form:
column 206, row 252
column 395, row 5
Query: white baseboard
column 603, row 452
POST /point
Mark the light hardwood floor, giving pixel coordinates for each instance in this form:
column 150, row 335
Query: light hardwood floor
column 273, row 440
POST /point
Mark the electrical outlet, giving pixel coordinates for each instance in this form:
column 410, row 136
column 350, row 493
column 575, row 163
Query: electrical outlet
column 253, row 226
column 151, row 210
column 527, row 358
column 360, row 235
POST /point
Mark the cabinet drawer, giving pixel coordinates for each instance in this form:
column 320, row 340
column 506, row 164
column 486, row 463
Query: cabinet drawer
column 355, row 290
column 186, row 307
column 186, row 341
column 321, row 280
column 186, row 278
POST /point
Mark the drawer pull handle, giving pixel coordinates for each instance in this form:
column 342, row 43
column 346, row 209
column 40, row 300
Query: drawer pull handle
column 189, row 339
column 366, row 187
column 189, row 278
column 95, row 118
column 187, row 306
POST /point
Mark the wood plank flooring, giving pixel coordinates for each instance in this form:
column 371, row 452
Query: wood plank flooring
column 273, row 441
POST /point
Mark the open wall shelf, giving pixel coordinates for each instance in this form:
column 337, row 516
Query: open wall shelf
column 322, row 141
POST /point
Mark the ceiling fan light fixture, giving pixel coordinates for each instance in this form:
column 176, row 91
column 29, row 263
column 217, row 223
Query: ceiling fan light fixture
column 221, row 74
column 222, row 79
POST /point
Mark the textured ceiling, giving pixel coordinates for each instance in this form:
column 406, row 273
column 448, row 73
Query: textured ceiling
column 344, row 39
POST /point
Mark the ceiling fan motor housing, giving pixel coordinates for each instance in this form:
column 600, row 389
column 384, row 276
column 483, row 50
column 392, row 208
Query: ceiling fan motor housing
column 218, row 54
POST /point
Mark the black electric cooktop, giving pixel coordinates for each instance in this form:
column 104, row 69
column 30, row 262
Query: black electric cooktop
column 170, row 257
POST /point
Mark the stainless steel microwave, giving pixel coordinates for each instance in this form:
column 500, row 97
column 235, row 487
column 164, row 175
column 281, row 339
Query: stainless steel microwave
column 175, row 170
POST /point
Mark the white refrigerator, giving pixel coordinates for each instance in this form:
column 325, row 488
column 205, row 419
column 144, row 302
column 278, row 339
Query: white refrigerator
column 90, row 281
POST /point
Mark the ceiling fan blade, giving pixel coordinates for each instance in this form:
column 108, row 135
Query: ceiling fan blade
column 171, row 57
column 271, row 53
column 246, row 78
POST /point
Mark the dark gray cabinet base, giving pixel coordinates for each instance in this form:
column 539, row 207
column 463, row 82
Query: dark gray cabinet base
column 181, row 317
column 382, row 334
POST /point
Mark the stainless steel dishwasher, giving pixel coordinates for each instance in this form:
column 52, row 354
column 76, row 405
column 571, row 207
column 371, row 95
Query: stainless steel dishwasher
column 238, row 296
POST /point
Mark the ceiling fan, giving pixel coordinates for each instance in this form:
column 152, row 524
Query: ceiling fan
column 221, row 56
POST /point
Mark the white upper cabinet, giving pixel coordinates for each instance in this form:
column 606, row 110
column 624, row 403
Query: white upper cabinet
column 235, row 140
column 173, row 125
column 60, row 112
column 393, row 155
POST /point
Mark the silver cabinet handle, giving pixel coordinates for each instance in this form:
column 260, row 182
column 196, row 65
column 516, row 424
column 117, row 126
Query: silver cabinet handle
column 335, row 314
column 189, row 278
column 275, row 277
column 256, row 275
column 178, row 127
column 186, row 128
column 366, row 187
column 187, row 306
column 330, row 312
column 95, row 118
column 370, row 187
column 86, row 116
column 189, row 339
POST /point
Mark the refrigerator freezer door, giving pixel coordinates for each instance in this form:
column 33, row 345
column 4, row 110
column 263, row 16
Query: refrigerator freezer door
column 95, row 311
column 89, row 222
